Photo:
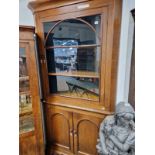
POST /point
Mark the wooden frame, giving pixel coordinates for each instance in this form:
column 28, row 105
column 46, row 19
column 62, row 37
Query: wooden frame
column 79, row 19
column 112, row 16
column 43, row 55
column 33, row 139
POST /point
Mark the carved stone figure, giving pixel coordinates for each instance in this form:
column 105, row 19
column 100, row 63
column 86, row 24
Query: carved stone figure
column 117, row 132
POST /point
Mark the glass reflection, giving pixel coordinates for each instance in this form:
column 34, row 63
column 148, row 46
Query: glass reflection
column 75, row 29
column 23, row 73
column 79, row 87
column 26, row 122
column 73, row 56
column 73, row 59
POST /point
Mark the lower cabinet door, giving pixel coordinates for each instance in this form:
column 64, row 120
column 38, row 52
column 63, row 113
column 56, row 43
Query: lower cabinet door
column 59, row 129
column 86, row 130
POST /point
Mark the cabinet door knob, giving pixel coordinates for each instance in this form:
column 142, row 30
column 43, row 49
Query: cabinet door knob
column 75, row 132
column 43, row 101
column 71, row 131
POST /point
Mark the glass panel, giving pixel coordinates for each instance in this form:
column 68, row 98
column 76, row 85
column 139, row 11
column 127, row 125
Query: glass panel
column 79, row 87
column 26, row 123
column 95, row 21
column 73, row 56
column 23, row 73
column 74, row 29
column 73, row 59
column 25, row 103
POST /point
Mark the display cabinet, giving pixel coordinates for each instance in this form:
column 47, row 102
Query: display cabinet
column 30, row 117
column 78, row 55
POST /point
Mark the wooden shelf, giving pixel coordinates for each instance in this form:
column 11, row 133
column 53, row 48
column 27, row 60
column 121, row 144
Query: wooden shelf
column 25, row 112
column 74, row 46
column 86, row 74
column 23, row 78
column 25, row 93
column 22, row 56
column 27, row 134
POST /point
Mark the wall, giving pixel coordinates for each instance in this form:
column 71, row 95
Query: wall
column 25, row 15
column 127, row 27
column 26, row 18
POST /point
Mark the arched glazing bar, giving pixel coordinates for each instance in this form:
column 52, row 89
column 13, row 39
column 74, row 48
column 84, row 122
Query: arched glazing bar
column 78, row 19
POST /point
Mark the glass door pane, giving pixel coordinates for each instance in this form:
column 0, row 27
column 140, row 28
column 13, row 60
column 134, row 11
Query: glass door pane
column 73, row 56
column 26, row 122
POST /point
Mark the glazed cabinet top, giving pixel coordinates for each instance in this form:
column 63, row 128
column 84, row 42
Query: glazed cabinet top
column 78, row 49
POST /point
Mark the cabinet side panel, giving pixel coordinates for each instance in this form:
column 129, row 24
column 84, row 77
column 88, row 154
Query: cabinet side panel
column 28, row 146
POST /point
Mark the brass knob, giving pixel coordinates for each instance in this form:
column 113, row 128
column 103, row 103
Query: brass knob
column 71, row 131
column 75, row 132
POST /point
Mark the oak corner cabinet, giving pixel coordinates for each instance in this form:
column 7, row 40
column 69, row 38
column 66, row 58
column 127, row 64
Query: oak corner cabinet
column 78, row 45
column 31, row 140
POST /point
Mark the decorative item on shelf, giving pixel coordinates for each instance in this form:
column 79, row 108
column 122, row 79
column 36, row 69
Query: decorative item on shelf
column 117, row 132
column 22, row 66
column 22, row 100
column 25, row 99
